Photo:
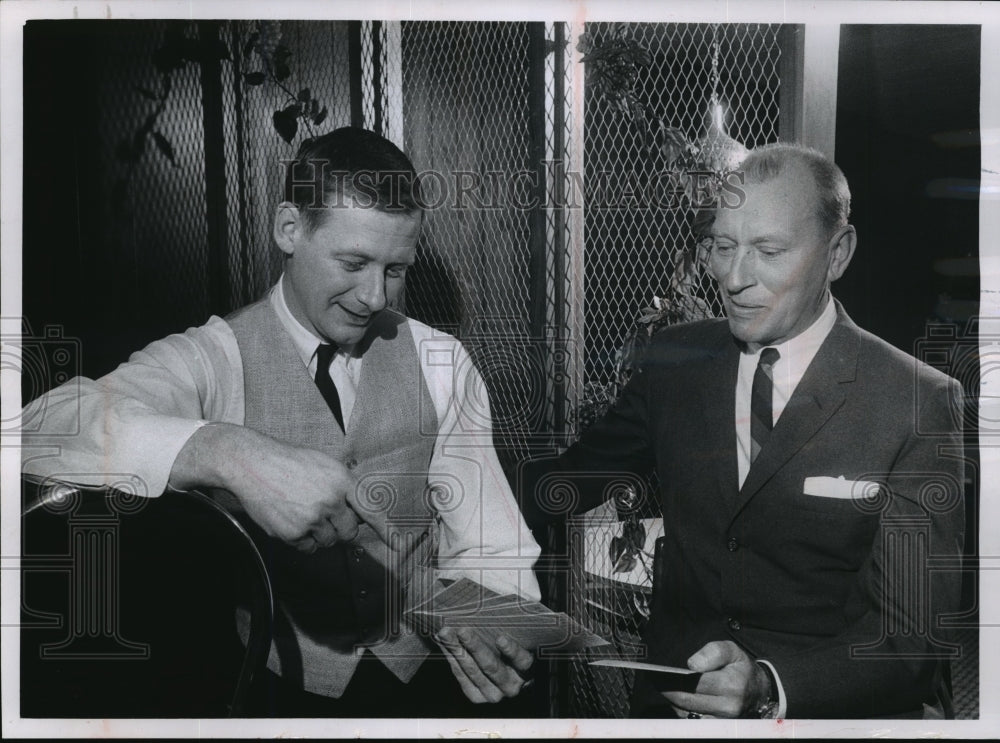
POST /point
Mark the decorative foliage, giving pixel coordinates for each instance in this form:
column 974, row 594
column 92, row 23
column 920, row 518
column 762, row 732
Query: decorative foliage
column 628, row 549
column 614, row 69
column 274, row 58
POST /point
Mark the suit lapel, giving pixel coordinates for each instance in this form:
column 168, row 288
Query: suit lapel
column 719, row 406
column 818, row 396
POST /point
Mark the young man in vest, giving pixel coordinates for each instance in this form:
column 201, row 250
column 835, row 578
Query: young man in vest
column 335, row 424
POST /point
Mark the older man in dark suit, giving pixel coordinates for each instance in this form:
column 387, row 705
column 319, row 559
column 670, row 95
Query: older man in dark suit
column 807, row 472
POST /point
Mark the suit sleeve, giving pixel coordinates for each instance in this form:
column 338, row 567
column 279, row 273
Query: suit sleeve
column 887, row 660
column 612, row 451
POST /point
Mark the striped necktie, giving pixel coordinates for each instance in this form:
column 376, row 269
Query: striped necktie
column 761, row 401
column 324, row 357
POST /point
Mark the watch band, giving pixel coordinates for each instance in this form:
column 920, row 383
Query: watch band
column 768, row 709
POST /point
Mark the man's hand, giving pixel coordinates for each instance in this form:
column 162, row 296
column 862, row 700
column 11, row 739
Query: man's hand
column 485, row 674
column 300, row 496
column 731, row 684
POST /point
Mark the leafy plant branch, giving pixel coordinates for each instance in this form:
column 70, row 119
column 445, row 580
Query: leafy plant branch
column 274, row 56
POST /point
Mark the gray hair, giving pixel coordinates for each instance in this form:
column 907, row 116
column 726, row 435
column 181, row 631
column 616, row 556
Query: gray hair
column 769, row 161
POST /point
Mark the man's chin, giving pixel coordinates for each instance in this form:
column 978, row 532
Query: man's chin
column 745, row 333
column 347, row 335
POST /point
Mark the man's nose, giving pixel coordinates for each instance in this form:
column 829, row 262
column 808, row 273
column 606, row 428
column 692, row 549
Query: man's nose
column 741, row 271
column 371, row 290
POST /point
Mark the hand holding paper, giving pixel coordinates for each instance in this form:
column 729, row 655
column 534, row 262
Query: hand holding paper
column 485, row 673
column 487, row 614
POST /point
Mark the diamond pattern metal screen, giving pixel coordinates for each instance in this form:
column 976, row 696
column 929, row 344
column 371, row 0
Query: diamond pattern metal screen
column 632, row 249
column 151, row 228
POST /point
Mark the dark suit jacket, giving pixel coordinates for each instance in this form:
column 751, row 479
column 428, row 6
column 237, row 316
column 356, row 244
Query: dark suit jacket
column 837, row 594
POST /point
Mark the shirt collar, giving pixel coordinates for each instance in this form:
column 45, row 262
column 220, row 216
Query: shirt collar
column 305, row 341
column 799, row 351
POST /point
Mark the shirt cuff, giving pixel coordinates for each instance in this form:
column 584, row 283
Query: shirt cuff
column 154, row 443
column 782, row 700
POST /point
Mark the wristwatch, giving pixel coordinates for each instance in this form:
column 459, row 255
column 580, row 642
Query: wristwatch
column 768, row 709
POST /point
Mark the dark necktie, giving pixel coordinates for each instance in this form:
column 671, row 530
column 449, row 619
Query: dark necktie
column 324, row 356
column 761, row 401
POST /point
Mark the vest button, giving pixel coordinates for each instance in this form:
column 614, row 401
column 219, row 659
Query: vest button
column 358, row 552
column 734, row 624
column 732, row 544
column 362, row 593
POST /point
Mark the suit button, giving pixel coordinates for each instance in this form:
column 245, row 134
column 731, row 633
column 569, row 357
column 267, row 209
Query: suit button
column 362, row 593
column 732, row 544
column 352, row 463
column 734, row 624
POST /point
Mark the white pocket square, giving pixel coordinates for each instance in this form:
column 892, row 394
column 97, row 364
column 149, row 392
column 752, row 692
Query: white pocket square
column 838, row 487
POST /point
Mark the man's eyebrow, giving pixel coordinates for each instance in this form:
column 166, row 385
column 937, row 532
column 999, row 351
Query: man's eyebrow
column 770, row 238
column 352, row 253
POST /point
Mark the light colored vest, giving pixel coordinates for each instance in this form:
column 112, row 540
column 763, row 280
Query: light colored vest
column 333, row 604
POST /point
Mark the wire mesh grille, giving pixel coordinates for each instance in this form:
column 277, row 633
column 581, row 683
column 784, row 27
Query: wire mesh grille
column 153, row 229
column 634, row 251
column 634, row 248
column 465, row 103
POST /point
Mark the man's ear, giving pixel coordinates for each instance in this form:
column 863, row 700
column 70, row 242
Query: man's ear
column 842, row 246
column 288, row 227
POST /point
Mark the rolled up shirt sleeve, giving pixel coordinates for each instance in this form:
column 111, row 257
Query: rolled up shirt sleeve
column 482, row 534
column 133, row 422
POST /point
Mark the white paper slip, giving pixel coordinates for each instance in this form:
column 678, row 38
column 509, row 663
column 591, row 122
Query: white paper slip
column 639, row 666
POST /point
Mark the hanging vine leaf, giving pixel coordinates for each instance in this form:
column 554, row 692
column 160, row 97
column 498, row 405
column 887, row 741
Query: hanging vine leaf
column 251, row 43
column 622, row 557
column 301, row 109
column 634, row 534
column 164, row 146
column 281, row 69
column 286, row 123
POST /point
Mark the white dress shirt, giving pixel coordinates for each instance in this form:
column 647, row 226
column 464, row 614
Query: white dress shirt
column 795, row 356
